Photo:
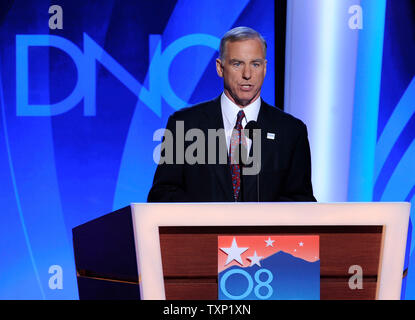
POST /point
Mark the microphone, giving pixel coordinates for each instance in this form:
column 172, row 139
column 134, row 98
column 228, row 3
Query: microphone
column 249, row 129
column 250, row 132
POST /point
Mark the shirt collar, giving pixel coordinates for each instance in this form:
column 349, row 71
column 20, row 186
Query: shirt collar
column 230, row 110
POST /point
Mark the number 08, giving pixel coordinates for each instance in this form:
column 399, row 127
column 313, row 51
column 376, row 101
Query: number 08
column 250, row 287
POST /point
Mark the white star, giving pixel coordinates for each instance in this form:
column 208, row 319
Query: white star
column 269, row 242
column 301, row 244
column 255, row 260
column 295, row 250
column 234, row 253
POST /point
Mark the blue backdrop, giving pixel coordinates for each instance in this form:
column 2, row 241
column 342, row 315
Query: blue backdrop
column 79, row 106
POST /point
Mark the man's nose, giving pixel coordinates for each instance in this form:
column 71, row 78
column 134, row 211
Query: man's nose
column 246, row 73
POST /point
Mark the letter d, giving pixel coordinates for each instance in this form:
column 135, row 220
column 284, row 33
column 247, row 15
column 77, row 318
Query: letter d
column 23, row 108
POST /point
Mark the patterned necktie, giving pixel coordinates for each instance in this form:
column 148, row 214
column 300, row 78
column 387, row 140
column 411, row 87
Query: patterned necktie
column 234, row 151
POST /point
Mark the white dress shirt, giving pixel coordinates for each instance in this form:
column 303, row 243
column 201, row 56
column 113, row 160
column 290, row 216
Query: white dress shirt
column 230, row 113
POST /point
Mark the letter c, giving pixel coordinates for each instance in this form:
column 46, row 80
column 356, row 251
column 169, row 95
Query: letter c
column 168, row 55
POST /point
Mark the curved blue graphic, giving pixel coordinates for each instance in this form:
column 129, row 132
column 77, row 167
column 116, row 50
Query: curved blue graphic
column 16, row 192
column 397, row 136
column 401, row 115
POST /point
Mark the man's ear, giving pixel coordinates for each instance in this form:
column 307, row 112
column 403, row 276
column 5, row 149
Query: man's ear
column 219, row 67
column 265, row 67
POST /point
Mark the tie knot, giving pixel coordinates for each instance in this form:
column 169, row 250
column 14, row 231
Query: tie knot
column 239, row 118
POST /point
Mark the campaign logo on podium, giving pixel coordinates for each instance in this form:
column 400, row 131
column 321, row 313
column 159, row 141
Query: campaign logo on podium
column 268, row 267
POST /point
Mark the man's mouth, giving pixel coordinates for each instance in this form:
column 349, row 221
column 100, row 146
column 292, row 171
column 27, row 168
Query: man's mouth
column 246, row 87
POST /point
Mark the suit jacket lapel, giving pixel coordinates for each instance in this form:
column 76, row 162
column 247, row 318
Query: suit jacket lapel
column 221, row 171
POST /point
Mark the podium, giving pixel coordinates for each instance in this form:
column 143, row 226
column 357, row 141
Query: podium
column 170, row 250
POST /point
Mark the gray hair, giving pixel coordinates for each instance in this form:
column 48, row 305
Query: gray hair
column 239, row 34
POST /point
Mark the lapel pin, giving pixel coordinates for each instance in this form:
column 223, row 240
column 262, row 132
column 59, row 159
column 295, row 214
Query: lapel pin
column 270, row 136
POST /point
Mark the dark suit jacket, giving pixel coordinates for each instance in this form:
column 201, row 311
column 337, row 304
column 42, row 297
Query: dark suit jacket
column 285, row 162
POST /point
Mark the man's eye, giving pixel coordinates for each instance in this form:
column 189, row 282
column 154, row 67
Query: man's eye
column 236, row 64
column 256, row 64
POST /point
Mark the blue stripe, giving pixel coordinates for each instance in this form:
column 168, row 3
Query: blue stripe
column 394, row 127
column 410, row 195
column 402, row 144
column 366, row 106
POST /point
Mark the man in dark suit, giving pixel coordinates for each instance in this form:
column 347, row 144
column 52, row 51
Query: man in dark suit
column 284, row 155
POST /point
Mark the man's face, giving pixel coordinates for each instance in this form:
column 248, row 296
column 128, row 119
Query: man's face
column 243, row 70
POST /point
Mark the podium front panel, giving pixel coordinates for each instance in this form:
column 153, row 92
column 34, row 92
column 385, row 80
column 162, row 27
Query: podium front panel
column 188, row 274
